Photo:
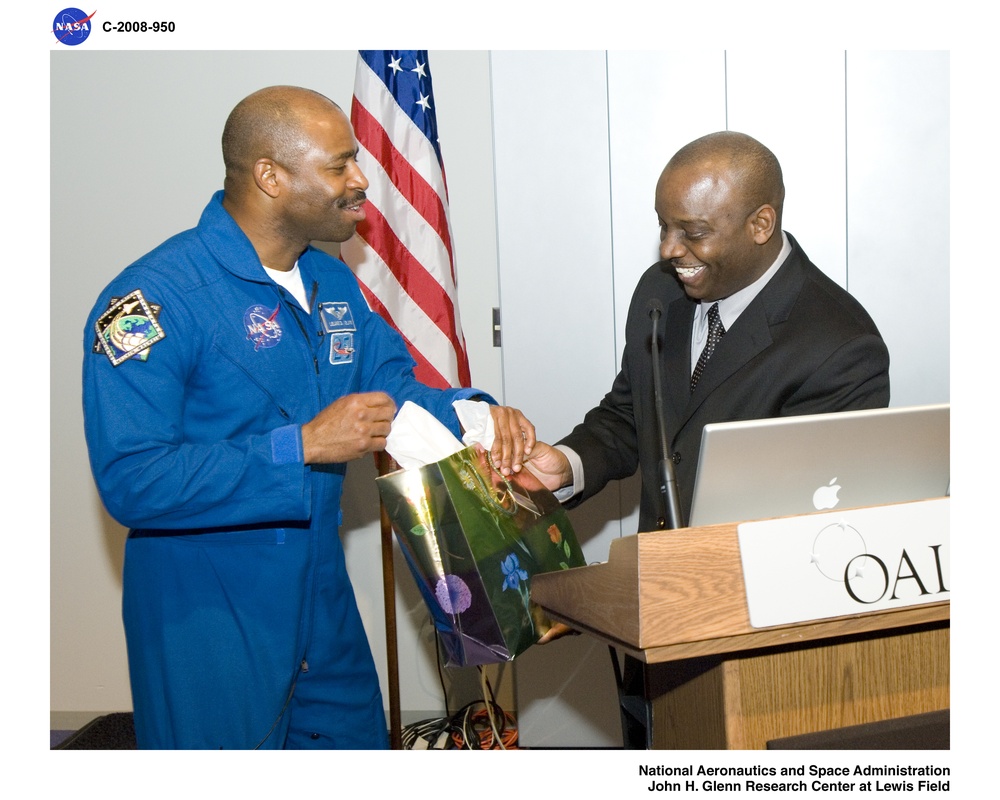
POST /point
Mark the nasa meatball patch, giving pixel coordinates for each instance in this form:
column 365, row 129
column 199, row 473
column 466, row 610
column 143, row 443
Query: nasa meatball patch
column 128, row 328
column 262, row 326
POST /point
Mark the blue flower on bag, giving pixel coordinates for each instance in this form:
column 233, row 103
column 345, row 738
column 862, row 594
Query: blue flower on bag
column 517, row 579
column 453, row 594
column 513, row 574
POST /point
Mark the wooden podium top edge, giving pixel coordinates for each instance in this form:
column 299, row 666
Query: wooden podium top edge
column 671, row 595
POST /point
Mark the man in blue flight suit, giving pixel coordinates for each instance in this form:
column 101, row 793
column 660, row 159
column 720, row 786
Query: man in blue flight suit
column 230, row 375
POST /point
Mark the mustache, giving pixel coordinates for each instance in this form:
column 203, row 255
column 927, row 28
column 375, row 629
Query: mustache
column 354, row 200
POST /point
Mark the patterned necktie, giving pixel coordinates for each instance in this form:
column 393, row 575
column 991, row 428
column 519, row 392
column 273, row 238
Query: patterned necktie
column 716, row 330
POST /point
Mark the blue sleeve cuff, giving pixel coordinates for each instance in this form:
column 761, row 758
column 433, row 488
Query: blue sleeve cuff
column 286, row 445
column 474, row 394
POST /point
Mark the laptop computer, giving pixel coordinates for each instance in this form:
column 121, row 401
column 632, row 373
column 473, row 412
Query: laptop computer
column 786, row 466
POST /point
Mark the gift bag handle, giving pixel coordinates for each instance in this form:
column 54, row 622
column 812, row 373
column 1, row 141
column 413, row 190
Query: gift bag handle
column 491, row 498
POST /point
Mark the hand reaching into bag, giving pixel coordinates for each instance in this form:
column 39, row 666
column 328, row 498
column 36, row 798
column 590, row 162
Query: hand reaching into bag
column 514, row 439
column 550, row 466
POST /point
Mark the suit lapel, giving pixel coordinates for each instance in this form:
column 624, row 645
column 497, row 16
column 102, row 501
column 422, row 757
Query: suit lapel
column 751, row 333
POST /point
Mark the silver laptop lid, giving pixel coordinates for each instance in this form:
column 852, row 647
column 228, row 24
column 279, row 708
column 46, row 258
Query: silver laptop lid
column 758, row 469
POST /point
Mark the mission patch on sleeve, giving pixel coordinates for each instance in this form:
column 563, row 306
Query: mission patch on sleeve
column 128, row 328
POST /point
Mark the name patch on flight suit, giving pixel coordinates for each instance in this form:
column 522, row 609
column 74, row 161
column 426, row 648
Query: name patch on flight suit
column 128, row 328
column 338, row 323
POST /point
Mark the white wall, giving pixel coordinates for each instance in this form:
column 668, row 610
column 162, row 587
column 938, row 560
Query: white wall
column 551, row 160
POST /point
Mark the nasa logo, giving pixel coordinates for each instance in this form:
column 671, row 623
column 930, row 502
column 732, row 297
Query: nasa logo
column 72, row 26
column 262, row 326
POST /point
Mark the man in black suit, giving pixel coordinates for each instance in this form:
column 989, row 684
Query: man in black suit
column 791, row 340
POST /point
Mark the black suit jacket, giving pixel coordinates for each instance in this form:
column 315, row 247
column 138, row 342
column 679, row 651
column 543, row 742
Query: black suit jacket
column 802, row 346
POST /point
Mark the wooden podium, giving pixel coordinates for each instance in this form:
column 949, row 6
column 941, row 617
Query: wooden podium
column 675, row 601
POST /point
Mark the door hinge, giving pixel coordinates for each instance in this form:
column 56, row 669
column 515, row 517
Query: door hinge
column 496, row 327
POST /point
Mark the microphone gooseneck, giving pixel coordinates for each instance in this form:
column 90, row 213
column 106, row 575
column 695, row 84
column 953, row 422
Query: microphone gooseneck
column 668, row 485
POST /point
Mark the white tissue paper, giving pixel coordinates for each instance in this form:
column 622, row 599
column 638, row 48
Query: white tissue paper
column 417, row 438
column 477, row 422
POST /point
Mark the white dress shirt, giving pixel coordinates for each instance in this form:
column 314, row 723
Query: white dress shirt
column 731, row 307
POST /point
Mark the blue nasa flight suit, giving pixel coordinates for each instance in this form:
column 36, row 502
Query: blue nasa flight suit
column 241, row 622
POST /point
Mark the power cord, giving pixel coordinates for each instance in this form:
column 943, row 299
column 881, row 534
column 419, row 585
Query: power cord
column 479, row 725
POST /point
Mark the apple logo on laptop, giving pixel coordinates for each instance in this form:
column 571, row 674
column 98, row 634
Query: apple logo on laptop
column 826, row 496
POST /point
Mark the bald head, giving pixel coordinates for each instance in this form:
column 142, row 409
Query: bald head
column 292, row 173
column 269, row 124
column 748, row 165
column 718, row 202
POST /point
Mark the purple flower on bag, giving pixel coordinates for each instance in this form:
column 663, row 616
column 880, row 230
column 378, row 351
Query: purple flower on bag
column 513, row 574
column 453, row 594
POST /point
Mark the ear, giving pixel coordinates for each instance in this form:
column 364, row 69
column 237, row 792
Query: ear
column 762, row 224
column 265, row 175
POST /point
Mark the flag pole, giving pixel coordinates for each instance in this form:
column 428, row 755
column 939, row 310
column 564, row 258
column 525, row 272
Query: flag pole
column 385, row 465
column 399, row 151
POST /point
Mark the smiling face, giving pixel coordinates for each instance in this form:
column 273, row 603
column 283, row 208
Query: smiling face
column 716, row 244
column 322, row 186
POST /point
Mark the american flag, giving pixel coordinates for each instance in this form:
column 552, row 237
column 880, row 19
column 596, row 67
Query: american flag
column 402, row 252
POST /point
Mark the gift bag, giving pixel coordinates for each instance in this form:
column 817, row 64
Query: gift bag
column 472, row 539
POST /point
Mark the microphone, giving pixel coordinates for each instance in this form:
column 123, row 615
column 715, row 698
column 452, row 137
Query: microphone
column 668, row 485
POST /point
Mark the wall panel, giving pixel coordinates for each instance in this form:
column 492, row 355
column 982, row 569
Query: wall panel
column 657, row 102
column 556, row 286
column 793, row 102
column 898, row 203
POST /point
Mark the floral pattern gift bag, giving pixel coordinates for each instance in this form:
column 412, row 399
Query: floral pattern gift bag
column 472, row 539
